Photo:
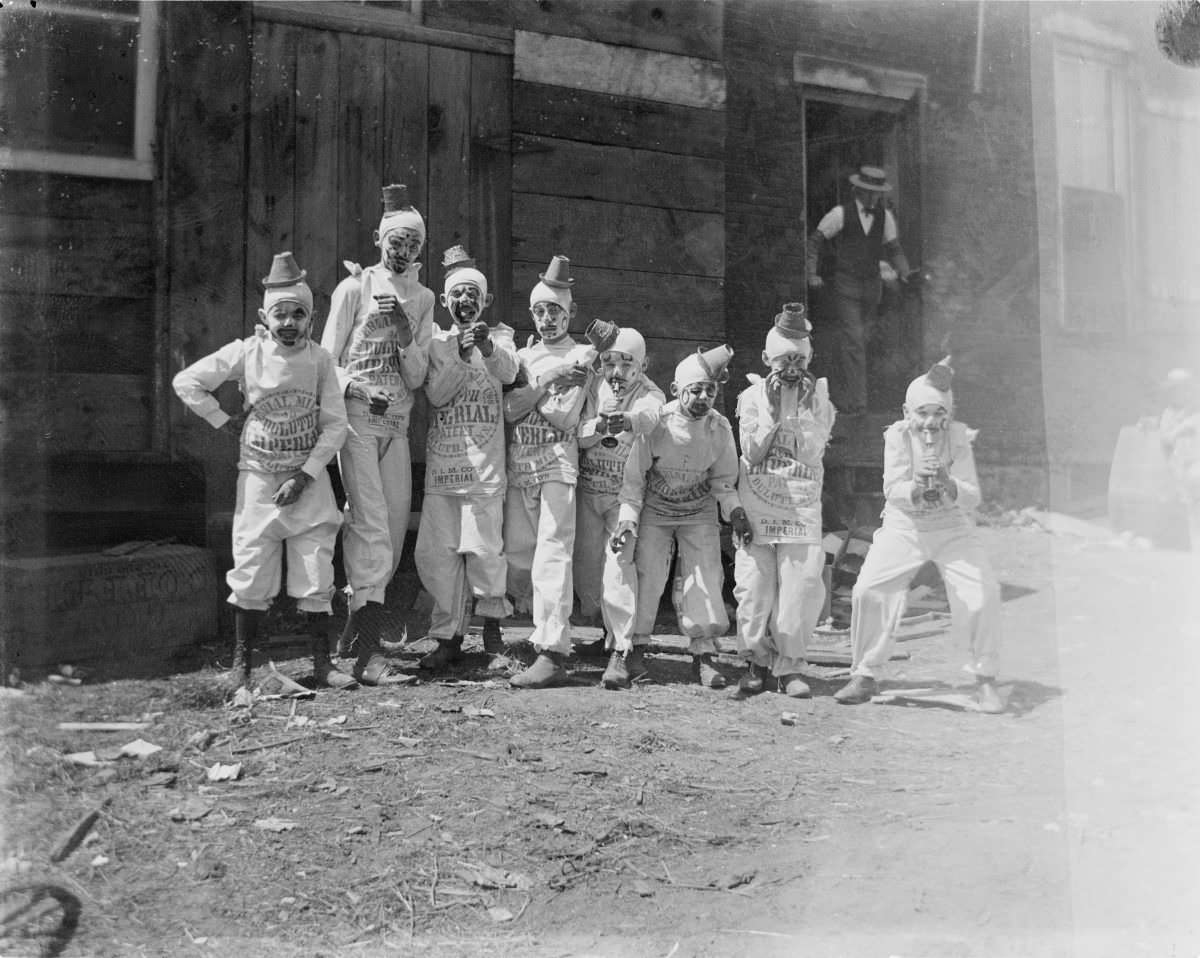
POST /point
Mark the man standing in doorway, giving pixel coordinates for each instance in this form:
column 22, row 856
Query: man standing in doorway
column 859, row 235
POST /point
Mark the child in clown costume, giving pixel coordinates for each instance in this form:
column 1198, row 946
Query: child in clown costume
column 676, row 479
column 543, row 469
column 460, row 545
column 293, row 424
column 930, row 487
column 379, row 329
column 622, row 404
column 784, row 421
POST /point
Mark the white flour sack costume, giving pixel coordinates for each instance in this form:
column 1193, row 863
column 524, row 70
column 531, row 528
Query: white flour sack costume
column 460, row 545
column 941, row 530
column 297, row 420
column 779, row 589
column 375, row 463
column 676, row 478
column 606, row 581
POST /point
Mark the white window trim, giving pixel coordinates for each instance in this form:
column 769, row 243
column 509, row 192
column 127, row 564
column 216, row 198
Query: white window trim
column 1074, row 37
column 141, row 165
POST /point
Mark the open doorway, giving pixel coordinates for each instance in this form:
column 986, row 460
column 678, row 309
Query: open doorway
column 842, row 133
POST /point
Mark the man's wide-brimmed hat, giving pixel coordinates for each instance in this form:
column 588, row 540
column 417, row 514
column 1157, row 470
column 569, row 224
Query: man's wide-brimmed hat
column 558, row 274
column 285, row 271
column 871, row 178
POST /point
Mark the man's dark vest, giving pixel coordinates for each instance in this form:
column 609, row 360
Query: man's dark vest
column 858, row 253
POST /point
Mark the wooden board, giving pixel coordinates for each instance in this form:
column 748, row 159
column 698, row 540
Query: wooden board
column 447, row 218
column 41, row 255
column 77, row 334
column 204, row 144
column 591, row 117
column 360, row 145
column 316, row 203
column 490, row 232
column 622, row 71
column 57, row 195
column 485, row 17
column 655, row 304
column 75, row 412
column 618, row 236
column 682, row 26
column 617, row 174
column 406, row 133
column 271, row 159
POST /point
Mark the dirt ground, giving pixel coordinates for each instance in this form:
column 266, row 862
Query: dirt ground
column 462, row 818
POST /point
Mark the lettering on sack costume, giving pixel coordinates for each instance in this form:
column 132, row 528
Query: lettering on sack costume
column 782, row 528
column 781, row 478
column 676, row 485
column 284, row 422
column 466, row 425
column 602, row 470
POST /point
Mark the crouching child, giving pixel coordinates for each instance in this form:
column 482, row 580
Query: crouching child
column 930, row 488
column 679, row 479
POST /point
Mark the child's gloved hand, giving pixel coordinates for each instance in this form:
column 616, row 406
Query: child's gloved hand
column 388, row 304
column 235, row 424
column 565, row 376
column 483, row 338
column 626, row 532
column 743, row 532
column 291, row 488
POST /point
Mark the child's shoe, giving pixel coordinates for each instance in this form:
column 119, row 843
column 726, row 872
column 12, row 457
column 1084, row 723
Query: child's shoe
column 547, row 670
column 988, row 696
column 794, row 687
column 493, row 637
column 623, row 668
column 754, row 679
column 706, row 673
column 860, row 688
column 448, row 652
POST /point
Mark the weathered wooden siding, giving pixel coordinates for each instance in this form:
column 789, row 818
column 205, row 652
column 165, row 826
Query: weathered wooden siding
column 77, row 288
column 977, row 231
column 618, row 121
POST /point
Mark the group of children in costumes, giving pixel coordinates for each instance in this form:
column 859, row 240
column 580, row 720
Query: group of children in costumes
column 559, row 469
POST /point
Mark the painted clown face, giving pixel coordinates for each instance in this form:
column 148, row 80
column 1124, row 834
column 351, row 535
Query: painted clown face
column 551, row 320
column 790, row 367
column 930, row 417
column 620, row 370
column 465, row 303
column 400, row 248
column 696, row 399
column 287, row 321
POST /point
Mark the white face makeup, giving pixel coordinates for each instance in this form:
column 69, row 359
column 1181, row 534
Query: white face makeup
column 696, row 399
column 400, row 248
column 790, row 367
column 929, row 417
column 551, row 321
column 465, row 303
column 287, row 322
column 619, row 370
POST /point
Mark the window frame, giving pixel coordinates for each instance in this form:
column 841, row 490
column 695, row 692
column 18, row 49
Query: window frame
column 141, row 166
column 1102, row 50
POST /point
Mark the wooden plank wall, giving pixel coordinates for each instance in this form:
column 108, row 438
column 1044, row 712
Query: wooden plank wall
column 334, row 115
column 618, row 162
column 77, row 287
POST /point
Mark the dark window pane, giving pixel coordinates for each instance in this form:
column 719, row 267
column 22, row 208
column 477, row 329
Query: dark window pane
column 69, row 83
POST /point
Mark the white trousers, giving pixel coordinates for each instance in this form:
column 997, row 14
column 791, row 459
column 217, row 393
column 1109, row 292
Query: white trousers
column 262, row 530
column 377, row 474
column 606, row 582
column 699, row 605
column 879, row 594
column 539, row 535
column 780, row 593
column 460, row 555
